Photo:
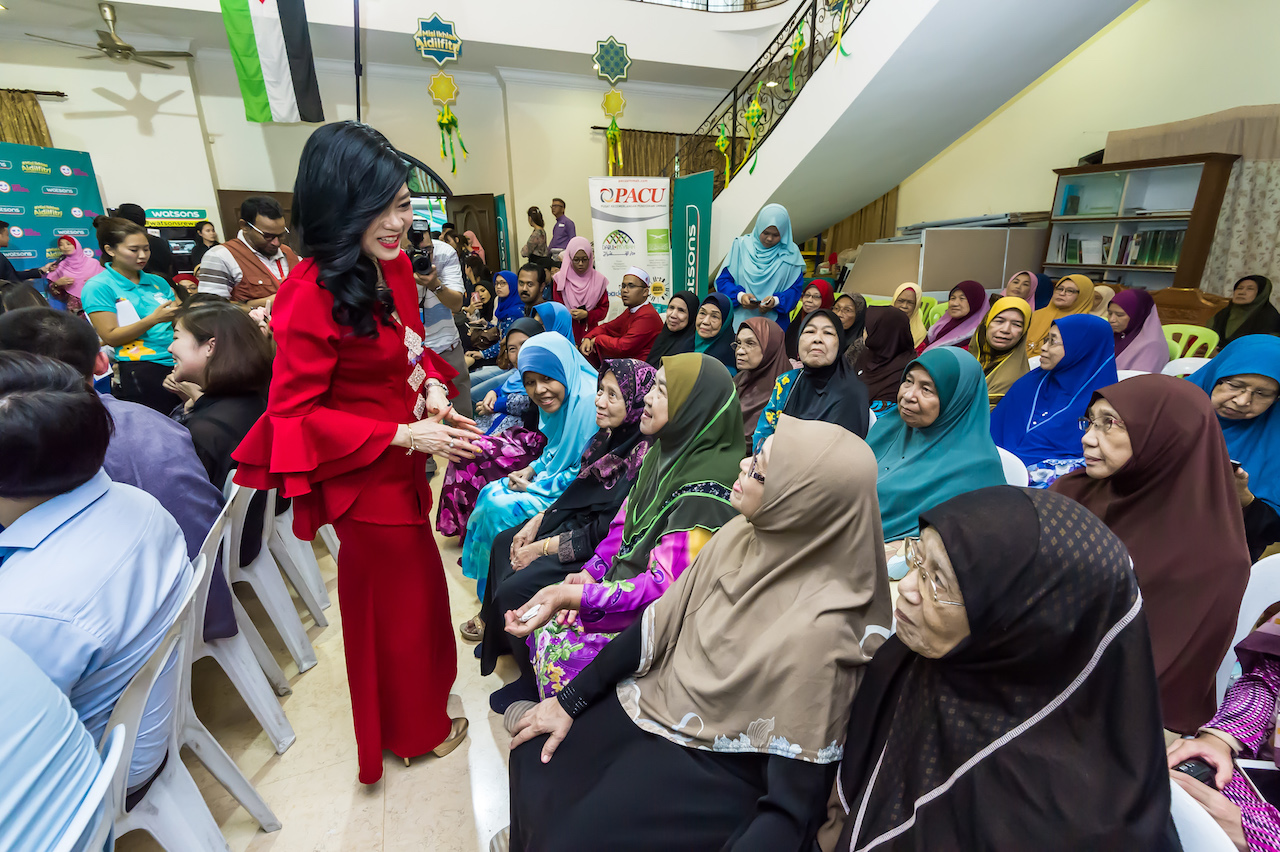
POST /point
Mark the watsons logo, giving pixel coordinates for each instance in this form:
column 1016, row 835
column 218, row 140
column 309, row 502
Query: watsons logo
column 6, row 164
column 36, row 167
column 68, row 232
column 691, row 244
column 12, row 210
column 175, row 213
column 20, row 254
column 48, row 211
column 618, row 244
column 58, row 190
column 633, row 195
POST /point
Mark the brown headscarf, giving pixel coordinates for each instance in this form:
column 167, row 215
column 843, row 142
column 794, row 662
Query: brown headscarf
column 1002, row 369
column 888, row 352
column 1043, row 319
column 1174, row 506
column 756, row 386
column 762, row 642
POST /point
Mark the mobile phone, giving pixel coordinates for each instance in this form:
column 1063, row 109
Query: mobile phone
column 1199, row 770
column 1235, row 466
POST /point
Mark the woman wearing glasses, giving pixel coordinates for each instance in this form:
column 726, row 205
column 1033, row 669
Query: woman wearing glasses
column 1158, row 474
column 760, row 355
column 718, row 720
column 1243, row 383
column 1071, row 295
column 1015, row 707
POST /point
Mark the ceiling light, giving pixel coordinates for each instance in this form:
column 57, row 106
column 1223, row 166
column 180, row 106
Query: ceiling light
column 771, row 84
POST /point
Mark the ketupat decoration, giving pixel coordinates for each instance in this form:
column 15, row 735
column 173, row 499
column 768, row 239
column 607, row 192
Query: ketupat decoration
column 613, row 104
column 843, row 7
column 722, row 145
column 797, row 47
column 753, row 114
column 444, row 91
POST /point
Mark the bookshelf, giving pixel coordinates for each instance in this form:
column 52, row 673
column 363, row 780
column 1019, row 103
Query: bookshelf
column 1144, row 223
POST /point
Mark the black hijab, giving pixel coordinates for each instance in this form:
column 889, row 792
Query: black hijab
column 670, row 342
column 888, row 351
column 1041, row 729
column 834, row 393
column 1257, row 317
column 486, row 311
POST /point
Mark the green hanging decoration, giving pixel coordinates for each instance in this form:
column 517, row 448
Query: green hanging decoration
column 614, row 138
column 797, row 47
column 448, row 124
column 753, row 114
column 722, row 145
column 844, row 22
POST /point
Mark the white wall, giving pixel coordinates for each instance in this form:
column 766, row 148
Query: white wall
column 1164, row 60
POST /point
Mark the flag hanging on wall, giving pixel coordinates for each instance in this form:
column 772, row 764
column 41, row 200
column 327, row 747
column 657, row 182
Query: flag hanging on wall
column 271, row 49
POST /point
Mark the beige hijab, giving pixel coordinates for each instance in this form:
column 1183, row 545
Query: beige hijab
column 762, row 642
column 918, row 330
column 1043, row 319
column 1107, row 295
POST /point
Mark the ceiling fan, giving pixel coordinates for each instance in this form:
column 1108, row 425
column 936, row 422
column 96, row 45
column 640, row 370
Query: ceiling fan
column 117, row 49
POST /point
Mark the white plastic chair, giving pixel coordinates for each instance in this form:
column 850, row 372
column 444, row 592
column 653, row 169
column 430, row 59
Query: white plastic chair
column 264, row 576
column 1034, row 361
column 871, row 420
column 1263, row 590
column 330, row 539
column 1015, row 472
column 93, row 820
column 1129, row 374
column 298, row 561
column 1196, row 829
column 1184, row 366
column 172, row 811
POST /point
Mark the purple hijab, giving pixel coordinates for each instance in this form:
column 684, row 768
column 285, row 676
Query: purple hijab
column 950, row 331
column 1142, row 345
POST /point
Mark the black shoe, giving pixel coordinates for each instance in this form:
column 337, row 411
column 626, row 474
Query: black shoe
column 517, row 690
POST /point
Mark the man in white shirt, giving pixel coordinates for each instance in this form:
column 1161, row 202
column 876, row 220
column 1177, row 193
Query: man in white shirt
column 248, row 269
column 440, row 293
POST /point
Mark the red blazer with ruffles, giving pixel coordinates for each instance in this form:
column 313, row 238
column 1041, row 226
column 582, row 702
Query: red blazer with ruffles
column 335, row 402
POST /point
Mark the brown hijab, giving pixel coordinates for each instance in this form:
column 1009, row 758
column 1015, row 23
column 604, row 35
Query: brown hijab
column 762, row 642
column 756, row 386
column 1174, row 506
column 888, row 352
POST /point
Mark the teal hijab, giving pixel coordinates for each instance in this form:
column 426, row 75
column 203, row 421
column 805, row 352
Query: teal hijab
column 761, row 271
column 573, row 425
column 917, row 469
column 555, row 317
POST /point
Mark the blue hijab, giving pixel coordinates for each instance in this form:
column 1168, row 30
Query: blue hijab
column 509, row 307
column 916, row 469
column 555, row 317
column 1044, row 290
column 573, row 425
column 761, row 271
column 1254, row 443
column 1038, row 418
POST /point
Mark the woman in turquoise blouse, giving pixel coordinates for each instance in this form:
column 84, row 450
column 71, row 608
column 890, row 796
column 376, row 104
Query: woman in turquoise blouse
column 133, row 312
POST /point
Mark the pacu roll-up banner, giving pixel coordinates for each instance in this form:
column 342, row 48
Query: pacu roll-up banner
column 691, row 226
column 46, row 193
column 631, row 224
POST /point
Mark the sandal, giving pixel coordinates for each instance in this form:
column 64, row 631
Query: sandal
column 472, row 631
column 457, row 733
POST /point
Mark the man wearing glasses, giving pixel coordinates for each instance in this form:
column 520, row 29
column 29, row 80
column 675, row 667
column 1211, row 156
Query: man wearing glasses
column 249, row 268
column 631, row 333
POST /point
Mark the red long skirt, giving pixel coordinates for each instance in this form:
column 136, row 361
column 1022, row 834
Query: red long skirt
column 397, row 632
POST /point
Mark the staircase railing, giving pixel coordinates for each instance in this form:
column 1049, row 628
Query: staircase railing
column 716, row 5
column 776, row 79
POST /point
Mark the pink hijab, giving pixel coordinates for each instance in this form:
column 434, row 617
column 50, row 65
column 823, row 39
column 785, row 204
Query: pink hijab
column 580, row 291
column 474, row 244
column 78, row 265
column 1142, row 345
column 949, row 331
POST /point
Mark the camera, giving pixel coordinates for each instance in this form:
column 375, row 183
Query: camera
column 423, row 260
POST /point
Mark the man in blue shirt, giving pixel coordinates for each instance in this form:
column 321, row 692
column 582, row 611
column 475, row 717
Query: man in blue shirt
column 563, row 230
column 92, row 573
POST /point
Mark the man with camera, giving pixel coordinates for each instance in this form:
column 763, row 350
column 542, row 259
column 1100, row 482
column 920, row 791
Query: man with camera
column 440, row 293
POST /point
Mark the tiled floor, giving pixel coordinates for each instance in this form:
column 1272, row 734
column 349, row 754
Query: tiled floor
column 451, row 804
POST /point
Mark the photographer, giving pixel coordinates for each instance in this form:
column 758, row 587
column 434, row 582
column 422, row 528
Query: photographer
column 440, row 293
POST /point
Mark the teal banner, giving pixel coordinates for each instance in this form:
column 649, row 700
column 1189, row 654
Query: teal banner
column 691, row 232
column 504, row 228
column 46, row 193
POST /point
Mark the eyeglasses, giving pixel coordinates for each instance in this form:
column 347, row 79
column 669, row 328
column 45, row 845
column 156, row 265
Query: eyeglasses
column 751, row 471
column 269, row 237
column 1238, row 389
column 749, row 344
column 1068, row 290
column 915, row 559
column 1103, row 424
column 639, row 285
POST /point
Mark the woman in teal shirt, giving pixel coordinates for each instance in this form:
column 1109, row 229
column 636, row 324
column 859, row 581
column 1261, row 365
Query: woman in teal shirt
column 132, row 311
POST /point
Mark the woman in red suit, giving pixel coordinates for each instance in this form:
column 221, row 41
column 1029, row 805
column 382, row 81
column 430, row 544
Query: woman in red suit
column 344, row 436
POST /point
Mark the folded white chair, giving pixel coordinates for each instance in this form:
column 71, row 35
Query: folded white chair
column 298, row 561
column 1183, row 366
column 95, row 817
column 1129, row 374
column 263, row 574
column 330, row 539
column 1263, row 590
column 1196, row 829
column 1015, row 472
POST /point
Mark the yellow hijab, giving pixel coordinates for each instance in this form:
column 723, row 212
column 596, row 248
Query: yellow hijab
column 1044, row 318
column 918, row 331
column 1002, row 369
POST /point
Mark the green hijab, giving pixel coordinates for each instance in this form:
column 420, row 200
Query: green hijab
column 685, row 479
column 916, row 469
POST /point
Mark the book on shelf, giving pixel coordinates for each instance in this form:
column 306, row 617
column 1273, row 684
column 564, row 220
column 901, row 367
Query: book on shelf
column 1091, row 250
column 1070, row 200
column 1106, row 249
column 1073, row 249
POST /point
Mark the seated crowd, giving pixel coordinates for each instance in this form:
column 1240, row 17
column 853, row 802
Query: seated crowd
column 685, row 523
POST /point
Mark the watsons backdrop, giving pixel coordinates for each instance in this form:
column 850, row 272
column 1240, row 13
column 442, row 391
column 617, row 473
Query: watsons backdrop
column 631, row 224
column 46, row 193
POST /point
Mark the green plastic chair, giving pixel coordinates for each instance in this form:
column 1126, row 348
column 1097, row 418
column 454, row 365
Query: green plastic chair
column 878, row 301
column 928, row 303
column 933, row 315
column 1187, row 341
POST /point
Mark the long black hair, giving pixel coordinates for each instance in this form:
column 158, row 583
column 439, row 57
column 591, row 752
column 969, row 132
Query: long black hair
column 347, row 175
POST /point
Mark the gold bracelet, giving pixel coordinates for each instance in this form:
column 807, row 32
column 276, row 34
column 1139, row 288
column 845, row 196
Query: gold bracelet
column 413, row 443
column 546, row 542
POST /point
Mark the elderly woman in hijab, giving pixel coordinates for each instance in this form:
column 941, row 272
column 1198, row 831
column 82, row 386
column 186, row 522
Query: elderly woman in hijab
column 1102, row 296
column 581, row 288
column 1071, row 295
column 761, row 358
column 677, row 334
column 1015, row 706
column 817, row 295
column 762, row 644
column 68, row 278
column 887, row 353
column 826, row 387
column 907, row 299
column 936, row 443
column 1243, row 382
column 559, row 540
column 851, row 308
column 1140, row 341
column 1158, row 475
column 1038, row 419
column 764, row 274
column 713, row 330
column 966, row 306
column 999, row 344
column 679, row 499
column 1249, row 312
